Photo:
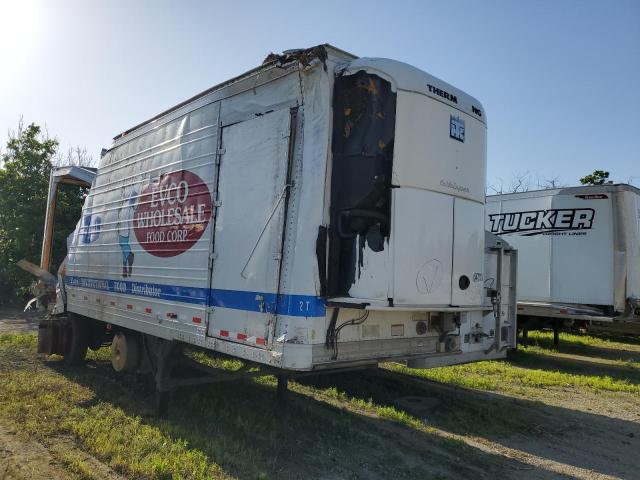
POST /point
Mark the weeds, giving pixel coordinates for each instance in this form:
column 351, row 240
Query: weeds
column 226, row 430
column 539, row 367
column 349, row 424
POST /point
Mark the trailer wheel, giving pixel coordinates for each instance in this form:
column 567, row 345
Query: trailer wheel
column 125, row 352
column 76, row 341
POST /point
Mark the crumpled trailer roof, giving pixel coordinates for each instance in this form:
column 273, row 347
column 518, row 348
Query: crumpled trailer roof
column 287, row 58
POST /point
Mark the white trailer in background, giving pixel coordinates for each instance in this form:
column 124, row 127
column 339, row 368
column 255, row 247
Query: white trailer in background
column 579, row 255
column 321, row 211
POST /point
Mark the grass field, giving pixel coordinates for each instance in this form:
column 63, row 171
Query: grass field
column 527, row 417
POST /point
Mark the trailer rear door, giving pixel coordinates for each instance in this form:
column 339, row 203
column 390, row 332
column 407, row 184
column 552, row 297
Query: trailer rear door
column 249, row 228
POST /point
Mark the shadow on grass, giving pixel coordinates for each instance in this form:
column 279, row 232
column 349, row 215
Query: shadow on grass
column 550, row 432
column 242, row 427
column 576, row 345
column 577, row 366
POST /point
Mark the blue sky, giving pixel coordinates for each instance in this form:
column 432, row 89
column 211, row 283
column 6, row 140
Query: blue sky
column 558, row 79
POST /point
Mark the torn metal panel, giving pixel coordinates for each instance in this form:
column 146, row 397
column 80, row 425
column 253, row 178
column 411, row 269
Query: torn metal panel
column 405, row 77
column 304, row 56
column 363, row 139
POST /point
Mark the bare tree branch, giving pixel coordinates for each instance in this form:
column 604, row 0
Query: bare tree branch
column 547, row 183
column 498, row 188
column 520, row 182
column 75, row 156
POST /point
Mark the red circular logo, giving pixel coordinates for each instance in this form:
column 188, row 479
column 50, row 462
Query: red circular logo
column 172, row 213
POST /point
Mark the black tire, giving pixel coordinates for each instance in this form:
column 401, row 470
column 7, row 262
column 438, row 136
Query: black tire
column 76, row 341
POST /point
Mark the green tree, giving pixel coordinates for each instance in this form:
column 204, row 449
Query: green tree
column 598, row 177
column 25, row 167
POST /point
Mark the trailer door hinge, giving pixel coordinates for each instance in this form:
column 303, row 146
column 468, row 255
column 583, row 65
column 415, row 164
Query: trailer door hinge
column 213, row 256
column 221, row 151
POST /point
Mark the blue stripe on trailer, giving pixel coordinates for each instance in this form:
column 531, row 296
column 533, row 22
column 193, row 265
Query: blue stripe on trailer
column 175, row 293
column 291, row 305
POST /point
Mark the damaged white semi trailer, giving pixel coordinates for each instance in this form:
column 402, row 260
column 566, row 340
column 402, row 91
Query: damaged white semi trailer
column 579, row 255
column 321, row 211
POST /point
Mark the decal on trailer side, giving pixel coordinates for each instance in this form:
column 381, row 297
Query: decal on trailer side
column 90, row 229
column 537, row 222
column 456, row 128
column 442, row 93
column 172, row 213
column 284, row 304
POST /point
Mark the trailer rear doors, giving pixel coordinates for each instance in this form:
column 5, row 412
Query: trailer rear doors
column 249, row 223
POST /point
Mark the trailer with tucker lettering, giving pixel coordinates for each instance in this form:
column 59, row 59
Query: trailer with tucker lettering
column 319, row 212
column 579, row 255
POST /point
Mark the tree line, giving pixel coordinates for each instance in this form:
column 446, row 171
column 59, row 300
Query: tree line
column 25, row 167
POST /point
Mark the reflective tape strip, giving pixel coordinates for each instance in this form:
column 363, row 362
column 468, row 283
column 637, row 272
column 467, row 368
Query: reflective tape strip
column 239, row 336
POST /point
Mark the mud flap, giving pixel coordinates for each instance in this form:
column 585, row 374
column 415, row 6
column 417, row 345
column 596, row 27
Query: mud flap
column 51, row 336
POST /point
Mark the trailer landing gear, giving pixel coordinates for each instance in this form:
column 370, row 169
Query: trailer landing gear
column 163, row 377
column 556, row 334
column 171, row 370
column 283, row 387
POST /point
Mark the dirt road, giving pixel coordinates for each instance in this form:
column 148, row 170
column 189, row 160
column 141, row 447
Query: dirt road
column 13, row 320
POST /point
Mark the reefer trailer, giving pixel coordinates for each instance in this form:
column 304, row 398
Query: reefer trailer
column 321, row 211
column 579, row 254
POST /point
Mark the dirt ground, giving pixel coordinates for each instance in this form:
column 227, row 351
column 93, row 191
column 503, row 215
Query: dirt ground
column 563, row 436
column 25, row 459
column 545, row 433
column 17, row 321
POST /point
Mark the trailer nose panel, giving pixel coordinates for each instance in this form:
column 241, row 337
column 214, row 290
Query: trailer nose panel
column 439, row 148
column 422, row 239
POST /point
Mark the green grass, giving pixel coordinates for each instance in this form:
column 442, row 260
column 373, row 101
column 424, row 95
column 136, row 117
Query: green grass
column 584, row 342
column 137, row 448
column 227, row 430
column 45, row 405
column 18, row 341
column 74, row 462
column 348, row 425
column 539, row 367
column 508, row 377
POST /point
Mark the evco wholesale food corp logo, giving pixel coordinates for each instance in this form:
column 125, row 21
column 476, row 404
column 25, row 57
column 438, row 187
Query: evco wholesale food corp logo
column 539, row 222
column 172, row 213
